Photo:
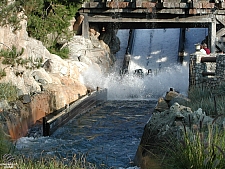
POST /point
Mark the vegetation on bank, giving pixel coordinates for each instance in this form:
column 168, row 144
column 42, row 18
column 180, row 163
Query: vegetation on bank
column 8, row 92
column 199, row 150
column 201, row 147
column 10, row 159
column 211, row 101
column 47, row 20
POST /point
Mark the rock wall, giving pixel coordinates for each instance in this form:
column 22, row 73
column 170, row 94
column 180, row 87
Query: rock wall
column 196, row 69
column 55, row 84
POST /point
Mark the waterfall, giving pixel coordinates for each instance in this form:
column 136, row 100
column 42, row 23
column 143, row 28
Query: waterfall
column 155, row 49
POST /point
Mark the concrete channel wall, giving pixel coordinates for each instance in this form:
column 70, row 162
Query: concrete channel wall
column 55, row 120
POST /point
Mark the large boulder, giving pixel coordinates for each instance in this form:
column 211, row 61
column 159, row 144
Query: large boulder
column 168, row 124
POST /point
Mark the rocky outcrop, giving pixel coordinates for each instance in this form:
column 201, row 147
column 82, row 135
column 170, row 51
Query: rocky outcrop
column 164, row 103
column 51, row 85
column 169, row 121
column 168, row 124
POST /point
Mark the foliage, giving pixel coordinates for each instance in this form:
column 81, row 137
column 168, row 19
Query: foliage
column 198, row 149
column 9, row 14
column 12, row 57
column 63, row 53
column 8, row 92
column 5, row 145
column 211, row 101
column 54, row 163
column 48, row 20
column 2, row 73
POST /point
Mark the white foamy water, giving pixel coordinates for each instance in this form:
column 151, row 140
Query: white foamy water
column 153, row 49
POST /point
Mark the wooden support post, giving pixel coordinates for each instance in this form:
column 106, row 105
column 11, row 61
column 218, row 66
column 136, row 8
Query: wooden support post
column 212, row 34
column 85, row 27
column 181, row 45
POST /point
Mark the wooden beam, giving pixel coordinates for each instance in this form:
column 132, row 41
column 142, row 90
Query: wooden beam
column 85, row 27
column 208, row 59
column 192, row 19
column 208, row 73
column 212, row 34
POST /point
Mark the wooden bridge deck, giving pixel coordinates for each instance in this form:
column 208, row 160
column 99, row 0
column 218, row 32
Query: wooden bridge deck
column 131, row 14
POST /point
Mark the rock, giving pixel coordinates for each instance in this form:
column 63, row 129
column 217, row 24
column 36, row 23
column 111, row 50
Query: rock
column 26, row 99
column 170, row 95
column 181, row 99
column 170, row 123
column 4, row 105
column 161, row 105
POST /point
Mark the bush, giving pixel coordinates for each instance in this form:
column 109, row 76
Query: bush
column 8, row 92
column 211, row 101
column 6, row 145
column 198, row 149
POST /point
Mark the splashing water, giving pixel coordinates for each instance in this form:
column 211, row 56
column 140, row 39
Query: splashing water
column 131, row 86
column 153, row 49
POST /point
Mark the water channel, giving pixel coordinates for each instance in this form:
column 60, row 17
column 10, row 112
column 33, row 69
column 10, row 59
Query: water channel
column 109, row 134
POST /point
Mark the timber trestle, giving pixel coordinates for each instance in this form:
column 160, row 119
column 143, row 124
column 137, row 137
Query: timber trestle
column 154, row 14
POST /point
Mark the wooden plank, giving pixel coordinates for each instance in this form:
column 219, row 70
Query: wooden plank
column 207, row 5
column 138, row 3
column 208, row 59
column 172, row 11
column 95, row 5
column 220, row 32
column 86, row 5
column 146, row 4
column 115, row 4
column 221, row 19
column 208, row 73
column 197, row 5
column 183, row 5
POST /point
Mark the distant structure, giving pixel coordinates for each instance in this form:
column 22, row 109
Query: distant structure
column 155, row 14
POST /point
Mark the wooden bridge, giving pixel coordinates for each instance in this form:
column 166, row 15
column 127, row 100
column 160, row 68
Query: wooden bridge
column 155, row 14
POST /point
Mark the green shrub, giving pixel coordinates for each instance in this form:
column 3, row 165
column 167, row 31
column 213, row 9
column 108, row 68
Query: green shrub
column 2, row 73
column 8, row 92
column 211, row 101
column 198, row 149
column 8, row 13
column 6, row 146
column 47, row 17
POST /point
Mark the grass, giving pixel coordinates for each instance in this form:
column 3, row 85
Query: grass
column 198, row 150
column 211, row 101
column 202, row 147
column 5, row 145
column 8, row 92
column 53, row 163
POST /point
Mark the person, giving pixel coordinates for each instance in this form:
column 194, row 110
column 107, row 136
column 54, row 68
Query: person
column 202, row 50
column 206, row 49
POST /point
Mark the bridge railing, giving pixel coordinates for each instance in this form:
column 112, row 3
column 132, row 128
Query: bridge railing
column 161, row 6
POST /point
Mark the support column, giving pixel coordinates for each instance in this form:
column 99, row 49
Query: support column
column 85, row 27
column 181, row 45
column 212, row 34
